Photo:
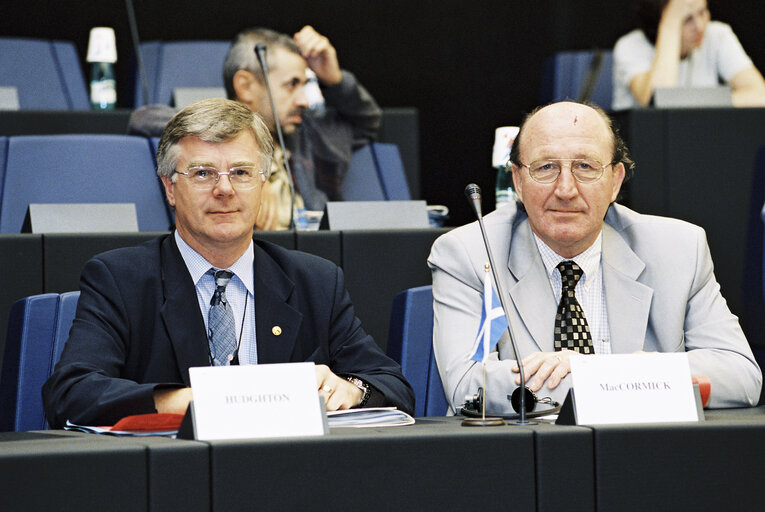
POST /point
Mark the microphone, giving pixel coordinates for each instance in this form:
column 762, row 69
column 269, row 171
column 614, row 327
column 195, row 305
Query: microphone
column 473, row 194
column 260, row 52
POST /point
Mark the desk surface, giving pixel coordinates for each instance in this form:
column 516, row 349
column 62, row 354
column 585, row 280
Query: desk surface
column 433, row 465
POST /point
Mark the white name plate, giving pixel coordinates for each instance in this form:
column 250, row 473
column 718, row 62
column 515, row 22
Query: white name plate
column 251, row 401
column 633, row 388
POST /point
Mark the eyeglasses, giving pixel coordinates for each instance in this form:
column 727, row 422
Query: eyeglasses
column 242, row 177
column 584, row 170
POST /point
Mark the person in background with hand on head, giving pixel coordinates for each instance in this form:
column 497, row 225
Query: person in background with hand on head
column 678, row 46
column 319, row 144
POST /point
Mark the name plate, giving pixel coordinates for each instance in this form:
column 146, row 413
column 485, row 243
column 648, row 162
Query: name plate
column 633, row 388
column 252, row 401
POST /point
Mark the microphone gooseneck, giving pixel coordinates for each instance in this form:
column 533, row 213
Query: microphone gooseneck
column 473, row 193
column 260, row 52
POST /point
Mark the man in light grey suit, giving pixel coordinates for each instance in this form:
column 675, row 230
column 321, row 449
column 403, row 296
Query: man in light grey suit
column 647, row 283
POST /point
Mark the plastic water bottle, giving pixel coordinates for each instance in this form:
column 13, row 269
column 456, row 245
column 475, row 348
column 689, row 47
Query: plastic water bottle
column 504, row 136
column 102, row 54
column 313, row 93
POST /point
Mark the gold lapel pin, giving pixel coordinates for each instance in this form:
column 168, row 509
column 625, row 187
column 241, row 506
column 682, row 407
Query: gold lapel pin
column 276, row 330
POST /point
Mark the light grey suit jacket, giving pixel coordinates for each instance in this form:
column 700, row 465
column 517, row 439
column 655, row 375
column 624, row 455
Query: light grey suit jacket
column 661, row 295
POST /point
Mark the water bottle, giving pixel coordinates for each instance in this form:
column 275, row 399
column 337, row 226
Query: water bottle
column 313, row 93
column 504, row 136
column 102, row 54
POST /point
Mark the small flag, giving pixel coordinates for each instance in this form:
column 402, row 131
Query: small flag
column 493, row 322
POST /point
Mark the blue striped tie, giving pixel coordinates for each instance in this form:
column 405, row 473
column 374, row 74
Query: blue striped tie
column 221, row 330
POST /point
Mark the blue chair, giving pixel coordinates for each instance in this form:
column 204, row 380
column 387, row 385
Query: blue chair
column 88, row 168
column 3, row 153
column 46, row 74
column 173, row 64
column 37, row 330
column 376, row 173
column 410, row 343
column 565, row 74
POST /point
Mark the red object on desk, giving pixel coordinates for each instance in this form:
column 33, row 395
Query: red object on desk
column 705, row 387
column 157, row 422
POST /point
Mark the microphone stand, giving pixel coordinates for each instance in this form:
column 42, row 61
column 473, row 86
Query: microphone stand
column 137, row 49
column 260, row 51
column 473, row 193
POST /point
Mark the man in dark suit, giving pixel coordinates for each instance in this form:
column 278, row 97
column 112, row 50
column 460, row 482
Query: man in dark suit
column 142, row 318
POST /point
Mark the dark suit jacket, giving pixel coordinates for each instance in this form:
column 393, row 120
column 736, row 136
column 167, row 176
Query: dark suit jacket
column 138, row 327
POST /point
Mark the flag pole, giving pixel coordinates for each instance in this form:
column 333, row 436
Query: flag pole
column 485, row 341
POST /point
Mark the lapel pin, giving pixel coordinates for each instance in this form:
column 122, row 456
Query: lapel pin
column 276, row 330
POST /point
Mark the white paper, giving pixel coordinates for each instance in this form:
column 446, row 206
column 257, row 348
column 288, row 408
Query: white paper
column 370, row 417
column 268, row 400
column 633, row 388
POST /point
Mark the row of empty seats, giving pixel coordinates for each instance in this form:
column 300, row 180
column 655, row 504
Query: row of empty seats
column 48, row 74
column 91, row 168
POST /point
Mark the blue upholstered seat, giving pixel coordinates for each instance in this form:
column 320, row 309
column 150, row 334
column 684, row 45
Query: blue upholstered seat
column 46, row 74
column 37, row 330
column 376, row 173
column 86, row 168
column 566, row 72
column 410, row 342
column 172, row 64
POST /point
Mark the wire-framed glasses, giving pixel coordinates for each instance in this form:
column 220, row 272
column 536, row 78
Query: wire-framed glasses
column 585, row 170
column 242, row 177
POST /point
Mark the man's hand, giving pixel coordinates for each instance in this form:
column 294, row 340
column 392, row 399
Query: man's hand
column 545, row 366
column 320, row 55
column 337, row 392
column 174, row 401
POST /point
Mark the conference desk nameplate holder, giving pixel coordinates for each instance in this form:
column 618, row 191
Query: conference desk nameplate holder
column 254, row 401
column 631, row 388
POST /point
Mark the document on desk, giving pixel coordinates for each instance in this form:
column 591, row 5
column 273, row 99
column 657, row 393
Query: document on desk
column 155, row 424
column 371, row 417
column 120, row 433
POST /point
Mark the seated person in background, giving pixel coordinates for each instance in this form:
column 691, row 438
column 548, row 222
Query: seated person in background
column 142, row 317
column 319, row 145
column 677, row 46
column 645, row 283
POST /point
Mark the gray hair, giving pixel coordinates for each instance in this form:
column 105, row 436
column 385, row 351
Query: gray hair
column 241, row 55
column 211, row 120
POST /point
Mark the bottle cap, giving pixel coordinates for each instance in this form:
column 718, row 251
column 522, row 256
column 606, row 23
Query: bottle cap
column 504, row 136
column 102, row 46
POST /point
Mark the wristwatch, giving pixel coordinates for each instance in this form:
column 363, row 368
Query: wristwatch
column 362, row 386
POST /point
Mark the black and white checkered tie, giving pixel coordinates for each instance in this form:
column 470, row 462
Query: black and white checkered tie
column 571, row 329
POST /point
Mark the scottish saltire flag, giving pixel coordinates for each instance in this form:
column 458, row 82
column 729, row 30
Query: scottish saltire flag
column 493, row 323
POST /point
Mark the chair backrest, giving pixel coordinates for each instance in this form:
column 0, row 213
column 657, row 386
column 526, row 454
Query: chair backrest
column 753, row 314
column 47, row 74
column 37, row 330
column 410, row 343
column 3, row 153
column 376, row 173
column 87, row 168
column 566, row 73
column 173, row 64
